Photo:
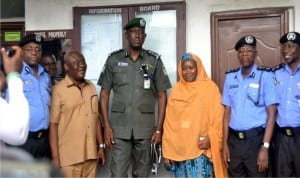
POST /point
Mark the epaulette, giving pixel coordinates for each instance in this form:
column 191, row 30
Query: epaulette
column 152, row 53
column 232, row 70
column 117, row 51
column 279, row 66
column 264, row 68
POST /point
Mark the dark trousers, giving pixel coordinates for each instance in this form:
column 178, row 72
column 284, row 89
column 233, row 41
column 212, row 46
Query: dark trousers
column 136, row 150
column 287, row 153
column 244, row 147
column 37, row 144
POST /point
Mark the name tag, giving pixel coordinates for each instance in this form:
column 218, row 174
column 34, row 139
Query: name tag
column 27, row 82
column 254, row 85
column 122, row 64
column 233, row 86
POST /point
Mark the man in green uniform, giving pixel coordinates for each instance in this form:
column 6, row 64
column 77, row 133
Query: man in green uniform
column 137, row 77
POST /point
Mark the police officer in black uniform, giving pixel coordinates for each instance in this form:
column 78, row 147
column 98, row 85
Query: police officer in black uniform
column 137, row 77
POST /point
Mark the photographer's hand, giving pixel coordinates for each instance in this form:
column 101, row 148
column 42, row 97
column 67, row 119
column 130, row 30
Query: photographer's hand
column 14, row 63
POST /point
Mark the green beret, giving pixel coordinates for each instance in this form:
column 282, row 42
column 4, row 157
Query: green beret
column 290, row 36
column 35, row 38
column 135, row 22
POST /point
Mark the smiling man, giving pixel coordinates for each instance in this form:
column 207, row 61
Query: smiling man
column 74, row 124
column 287, row 148
column 249, row 97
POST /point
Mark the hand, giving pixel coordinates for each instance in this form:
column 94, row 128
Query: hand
column 108, row 137
column 101, row 156
column 226, row 154
column 204, row 143
column 14, row 63
column 156, row 137
column 55, row 161
column 167, row 162
column 263, row 159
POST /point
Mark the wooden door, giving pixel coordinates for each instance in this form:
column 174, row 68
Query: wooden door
column 267, row 25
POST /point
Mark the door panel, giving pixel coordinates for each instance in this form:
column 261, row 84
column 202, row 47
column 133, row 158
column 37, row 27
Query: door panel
column 267, row 28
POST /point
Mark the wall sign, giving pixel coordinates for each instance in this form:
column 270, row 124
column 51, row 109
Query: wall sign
column 12, row 36
column 53, row 34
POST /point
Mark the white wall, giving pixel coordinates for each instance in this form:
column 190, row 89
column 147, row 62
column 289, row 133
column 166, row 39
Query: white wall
column 57, row 14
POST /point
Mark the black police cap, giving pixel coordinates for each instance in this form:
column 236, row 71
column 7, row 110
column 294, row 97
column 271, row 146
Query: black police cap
column 135, row 22
column 35, row 38
column 245, row 40
column 290, row 36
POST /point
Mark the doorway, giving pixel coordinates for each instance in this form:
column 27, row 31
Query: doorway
column 267, row 25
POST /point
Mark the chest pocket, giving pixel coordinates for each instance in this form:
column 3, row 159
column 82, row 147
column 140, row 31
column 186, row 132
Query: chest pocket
column 27, row 86
column 254, row 93
column 119, row 74
column 232, row 92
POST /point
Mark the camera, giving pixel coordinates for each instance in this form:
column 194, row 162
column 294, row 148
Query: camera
column 10, row 52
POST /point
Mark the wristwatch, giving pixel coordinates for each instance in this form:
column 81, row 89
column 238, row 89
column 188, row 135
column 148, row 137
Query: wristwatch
column 266, row 144
column 102, row 145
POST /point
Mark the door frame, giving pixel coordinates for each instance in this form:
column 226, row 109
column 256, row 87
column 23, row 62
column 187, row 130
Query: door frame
column 216, row 17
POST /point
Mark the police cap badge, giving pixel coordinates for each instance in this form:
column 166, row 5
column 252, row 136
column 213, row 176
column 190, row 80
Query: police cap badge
column 35, row 38
column 245, row 40
column 135, row 22
column 290, row 36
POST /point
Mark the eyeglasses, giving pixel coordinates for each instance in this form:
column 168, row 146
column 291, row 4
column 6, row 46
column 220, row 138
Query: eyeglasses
column 30, row 49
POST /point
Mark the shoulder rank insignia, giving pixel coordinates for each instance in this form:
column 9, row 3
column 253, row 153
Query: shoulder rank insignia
column 117, row 51
column 264, row 68
column 279, row 66
column 154, row 54
column 232, row 70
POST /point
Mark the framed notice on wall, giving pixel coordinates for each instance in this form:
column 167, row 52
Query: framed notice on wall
column 12, row 36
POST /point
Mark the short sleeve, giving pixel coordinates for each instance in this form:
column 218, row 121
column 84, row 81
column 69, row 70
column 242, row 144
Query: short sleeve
column 225, row 97
column 161, row 78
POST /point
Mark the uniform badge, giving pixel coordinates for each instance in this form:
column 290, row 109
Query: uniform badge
column 276, row 82
column 142, row 22
column 288, row 132
column 241, row 135
column 27, row 69
column 122, row 64
column 253, row 85
column 233, row 86
column 291, row 36
column 27, row 82
column 38, row 38
column 249, row 39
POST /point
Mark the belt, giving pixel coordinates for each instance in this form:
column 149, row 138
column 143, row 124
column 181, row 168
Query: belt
column 38, row 134
column 243, row 134
column 289, row 131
